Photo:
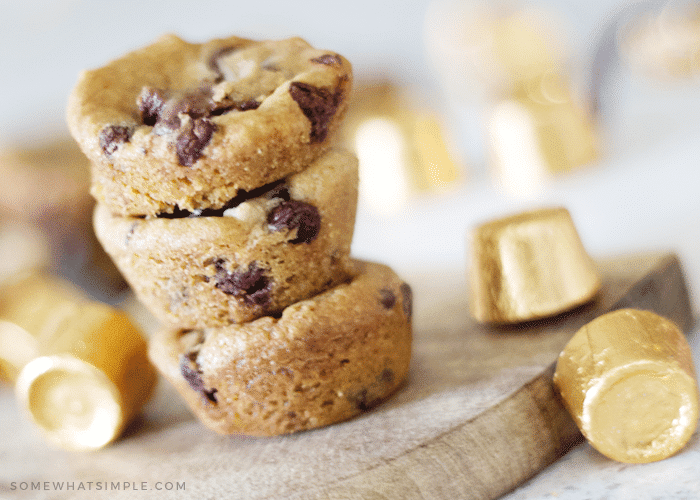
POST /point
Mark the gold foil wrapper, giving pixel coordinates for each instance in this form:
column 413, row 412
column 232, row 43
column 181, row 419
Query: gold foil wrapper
column 628, row 380
column 510, row 61
column 30, row 305
column 80, row 367
column 24, row 250
column 482, row 51
column 17, row 348
column 402, row 144
column 529, row 266
column 76, row 406
column 91, row 380
column 663, row 44
column 539, row 131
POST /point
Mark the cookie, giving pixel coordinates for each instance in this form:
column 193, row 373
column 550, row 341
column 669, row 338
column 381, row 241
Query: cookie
column 178, row 125
column 325, row 360
column 263, row 251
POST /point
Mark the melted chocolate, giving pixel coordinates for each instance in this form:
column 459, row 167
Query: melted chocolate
column 318, row 105
column 298, row 215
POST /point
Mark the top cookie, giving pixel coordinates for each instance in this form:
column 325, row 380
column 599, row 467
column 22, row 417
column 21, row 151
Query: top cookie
column 181, row 125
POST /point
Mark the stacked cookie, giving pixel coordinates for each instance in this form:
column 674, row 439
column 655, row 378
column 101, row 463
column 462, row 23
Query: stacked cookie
column 224, row 203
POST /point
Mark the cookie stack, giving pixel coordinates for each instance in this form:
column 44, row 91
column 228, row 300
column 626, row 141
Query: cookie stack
column 226, row 206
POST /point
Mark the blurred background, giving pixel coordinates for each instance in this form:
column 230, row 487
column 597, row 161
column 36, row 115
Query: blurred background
column 464, row 111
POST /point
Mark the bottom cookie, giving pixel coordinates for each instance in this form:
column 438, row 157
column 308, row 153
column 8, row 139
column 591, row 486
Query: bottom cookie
column 325, row 360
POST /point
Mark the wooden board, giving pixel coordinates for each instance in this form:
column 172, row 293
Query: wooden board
column 477, row 417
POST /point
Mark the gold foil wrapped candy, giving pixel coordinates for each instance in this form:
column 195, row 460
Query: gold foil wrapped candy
column 482, row 51
column 529, row 266
column 510, row 62
column 536, row 133
column 29, row 305
column 80, row 367
column 628, row 380
column 402, row 146
column 663, row 43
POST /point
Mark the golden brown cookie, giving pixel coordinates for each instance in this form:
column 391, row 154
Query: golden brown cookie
column 177, row 125
column 324, row 360
column 262, row 252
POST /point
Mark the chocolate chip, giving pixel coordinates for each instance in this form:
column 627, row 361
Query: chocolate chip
column 248, row 105
column 386, row 377
column 112, row 136
column 363, row 401
column 251, row 284
column 297, row 215
column 407, row 295
column 193, row 139
column 150, row 103
column 192, row 374
column 177, row 213
column 328, row 59
column 387, row 298
column 197, row 103
column 226, row 106
column 318, row 105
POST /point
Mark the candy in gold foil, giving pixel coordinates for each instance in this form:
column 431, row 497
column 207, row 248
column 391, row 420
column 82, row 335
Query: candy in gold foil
column 538, row 131
column 664, row 44
column 75, row 405
column 17, row 348
column 24, row 249
column 514, row 60
column 482, row 51
column 627, row 378
column 529, row 266
column 23, row 252
column 80, row 367
column 91, row 378
column 401, row 144
column 29, row 306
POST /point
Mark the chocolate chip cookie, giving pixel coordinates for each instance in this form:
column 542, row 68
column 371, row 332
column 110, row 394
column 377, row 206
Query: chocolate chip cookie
column 262, row 251
column 184, row 126
column 324, row 360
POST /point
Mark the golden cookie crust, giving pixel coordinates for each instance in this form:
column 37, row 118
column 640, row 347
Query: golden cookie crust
column 323, row 361
column 185, row 125
column 216, row 270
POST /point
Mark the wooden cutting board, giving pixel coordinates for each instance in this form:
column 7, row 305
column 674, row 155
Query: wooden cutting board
column 477, row 417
